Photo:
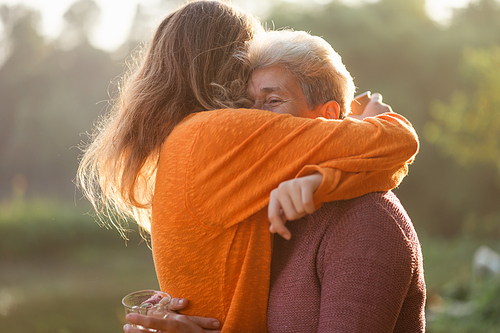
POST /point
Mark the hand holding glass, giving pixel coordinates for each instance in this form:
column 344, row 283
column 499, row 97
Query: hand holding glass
column 147, row 303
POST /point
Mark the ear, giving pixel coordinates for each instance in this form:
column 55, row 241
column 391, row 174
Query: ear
column 330, row 110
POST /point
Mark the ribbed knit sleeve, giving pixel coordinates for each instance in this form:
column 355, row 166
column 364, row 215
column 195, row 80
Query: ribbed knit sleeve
column 251, row 152
column 341, row 185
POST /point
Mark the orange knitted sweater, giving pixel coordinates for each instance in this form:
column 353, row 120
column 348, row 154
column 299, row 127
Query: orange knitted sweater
column 209, row 228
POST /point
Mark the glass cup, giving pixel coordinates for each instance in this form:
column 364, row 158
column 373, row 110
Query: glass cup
column 147, row 303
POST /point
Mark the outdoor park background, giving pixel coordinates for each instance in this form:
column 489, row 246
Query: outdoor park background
column 61, row 272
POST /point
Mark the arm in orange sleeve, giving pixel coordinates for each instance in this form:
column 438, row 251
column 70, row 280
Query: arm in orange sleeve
column 239, row 156
column 340, row 185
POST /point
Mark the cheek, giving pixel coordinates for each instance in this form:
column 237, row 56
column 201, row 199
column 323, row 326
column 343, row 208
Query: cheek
column 292, row 108
column 281, row 109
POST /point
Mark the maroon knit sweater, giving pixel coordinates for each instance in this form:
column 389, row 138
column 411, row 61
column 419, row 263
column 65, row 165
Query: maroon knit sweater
column 352, row 266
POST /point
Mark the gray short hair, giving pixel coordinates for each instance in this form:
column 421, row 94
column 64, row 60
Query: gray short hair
column 322, row 75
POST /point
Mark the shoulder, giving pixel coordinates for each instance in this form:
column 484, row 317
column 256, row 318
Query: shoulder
column 384, row 207
column 376, row 222
column 371, row 231
column 378, row 208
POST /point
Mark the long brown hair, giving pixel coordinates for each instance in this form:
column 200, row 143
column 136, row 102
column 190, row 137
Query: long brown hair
column 189, row 66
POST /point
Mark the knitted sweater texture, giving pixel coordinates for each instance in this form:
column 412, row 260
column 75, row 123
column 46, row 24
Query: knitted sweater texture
column 209, row 228
column 352, row 266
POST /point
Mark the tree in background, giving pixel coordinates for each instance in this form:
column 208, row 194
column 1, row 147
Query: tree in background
column 465, row 129
column 468, row 126
column 444, row 79
column 477, row 25
column 48, row 97
column 23, row 52
column 50, row 93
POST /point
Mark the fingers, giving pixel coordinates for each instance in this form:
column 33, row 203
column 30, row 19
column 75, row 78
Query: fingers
column 209, row 323
column 131, row 329
column 375, row 107
column 172, row 323
column 359, row 103
column 377, row 100
column 290, row 194
column 144, row 321
column 273, row 229
column 309, row 185
column 292, row 200
column 299, row 190
column 307, row 199
column 276, row 218
column 178, row 303
column 377, row 97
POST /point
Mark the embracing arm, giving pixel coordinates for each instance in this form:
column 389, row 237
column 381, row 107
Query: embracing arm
column 245, row 154
column 336, row 185
column 297, row 197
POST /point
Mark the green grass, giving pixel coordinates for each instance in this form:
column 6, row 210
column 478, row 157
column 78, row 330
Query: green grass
column 458, row 301
column 478, row 312
column 71, row 293
column 43, row 226
column 61, row 272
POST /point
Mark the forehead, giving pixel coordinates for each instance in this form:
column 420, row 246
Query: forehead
column 272, row 79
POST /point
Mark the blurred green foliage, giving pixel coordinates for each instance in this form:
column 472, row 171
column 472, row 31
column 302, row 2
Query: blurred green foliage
column 42, row 226
column 49, row 97
column 476, row 309
column 61, row 272
column 459, row 300
column 468, row 126
column 444, row 78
